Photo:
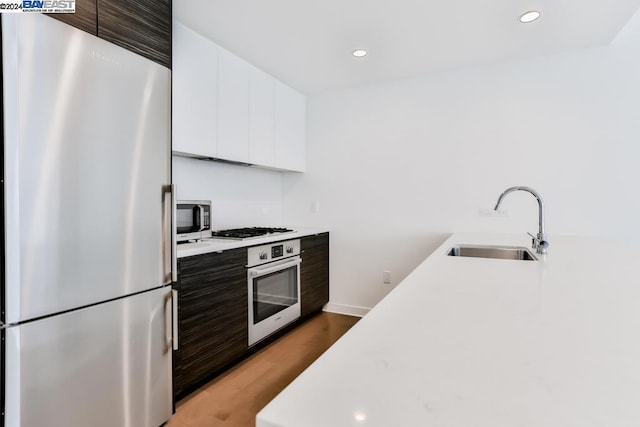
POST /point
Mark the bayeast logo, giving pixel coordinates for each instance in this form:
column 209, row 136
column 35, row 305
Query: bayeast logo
column 49, row 6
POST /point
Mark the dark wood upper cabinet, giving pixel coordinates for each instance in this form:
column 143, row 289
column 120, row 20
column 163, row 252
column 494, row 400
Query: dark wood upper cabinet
column 314, row 273
column 85, row 17
column 141, row 26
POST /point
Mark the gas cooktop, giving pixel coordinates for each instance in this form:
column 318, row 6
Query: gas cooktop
column 249, row 232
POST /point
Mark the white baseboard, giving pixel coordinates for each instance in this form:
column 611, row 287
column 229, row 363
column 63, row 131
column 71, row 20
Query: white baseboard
column 349, row 310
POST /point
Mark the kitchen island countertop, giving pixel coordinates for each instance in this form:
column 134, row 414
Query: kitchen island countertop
column 482, row 342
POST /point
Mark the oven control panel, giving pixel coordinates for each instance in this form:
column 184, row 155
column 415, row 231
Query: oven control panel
column 276, row 251
column 272, row 252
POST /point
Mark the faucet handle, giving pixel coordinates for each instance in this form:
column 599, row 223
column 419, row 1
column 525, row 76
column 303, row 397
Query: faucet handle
column 539, row 243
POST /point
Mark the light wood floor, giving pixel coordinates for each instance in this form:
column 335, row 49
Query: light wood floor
column 234, row 398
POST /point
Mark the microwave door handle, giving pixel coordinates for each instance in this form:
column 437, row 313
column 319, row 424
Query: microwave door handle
column 197, row 218
column 256, row 272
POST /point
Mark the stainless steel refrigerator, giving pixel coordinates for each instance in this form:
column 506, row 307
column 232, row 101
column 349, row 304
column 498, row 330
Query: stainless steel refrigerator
column 86, row 313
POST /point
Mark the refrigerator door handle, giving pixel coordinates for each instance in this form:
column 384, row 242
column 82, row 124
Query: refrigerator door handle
column 170, row 225
column 174, row 317
column 174, row 237
column 168, row 322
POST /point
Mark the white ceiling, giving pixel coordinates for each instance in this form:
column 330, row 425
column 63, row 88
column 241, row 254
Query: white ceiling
column 308, row 43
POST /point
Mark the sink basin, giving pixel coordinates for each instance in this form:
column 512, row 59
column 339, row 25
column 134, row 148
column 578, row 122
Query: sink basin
column 500, row 252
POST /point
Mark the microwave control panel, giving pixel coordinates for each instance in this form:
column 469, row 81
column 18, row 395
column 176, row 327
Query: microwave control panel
column 206, row 225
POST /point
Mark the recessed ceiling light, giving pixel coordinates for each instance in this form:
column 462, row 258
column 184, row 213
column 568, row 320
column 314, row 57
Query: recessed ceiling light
column 359, row 53
column 530, row 16
column 360, row 416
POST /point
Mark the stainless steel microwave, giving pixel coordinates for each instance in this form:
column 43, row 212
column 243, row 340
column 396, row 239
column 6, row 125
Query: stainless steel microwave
column 193, row 219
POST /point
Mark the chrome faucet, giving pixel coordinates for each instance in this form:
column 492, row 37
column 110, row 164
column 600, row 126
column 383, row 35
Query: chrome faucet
column 539, row 242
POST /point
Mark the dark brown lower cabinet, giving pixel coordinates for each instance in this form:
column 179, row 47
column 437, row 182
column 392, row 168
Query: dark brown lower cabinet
column 213, row 308
column 212, row 316
column 314, row 273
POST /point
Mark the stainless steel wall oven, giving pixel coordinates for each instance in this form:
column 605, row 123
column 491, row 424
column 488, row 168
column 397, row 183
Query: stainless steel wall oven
column 273, row 278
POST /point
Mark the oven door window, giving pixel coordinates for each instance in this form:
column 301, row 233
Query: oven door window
column 274, row 292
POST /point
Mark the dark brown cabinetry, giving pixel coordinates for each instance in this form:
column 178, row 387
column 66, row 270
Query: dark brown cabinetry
column 85, row 18
column 141, row 26
column 314, row 273
column 212, row 316
column 213, row 308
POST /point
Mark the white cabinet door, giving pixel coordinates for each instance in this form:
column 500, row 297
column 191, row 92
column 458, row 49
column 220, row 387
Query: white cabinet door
column 233, row 108
column 261, row 103
column 289, row 129
column 194, row 93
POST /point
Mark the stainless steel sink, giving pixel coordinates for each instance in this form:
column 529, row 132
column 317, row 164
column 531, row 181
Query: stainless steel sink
column 500, row 252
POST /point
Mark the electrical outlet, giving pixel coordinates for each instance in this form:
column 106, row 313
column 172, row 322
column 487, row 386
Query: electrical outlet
column 315, row 206
column 490, row 213
column 386, row 276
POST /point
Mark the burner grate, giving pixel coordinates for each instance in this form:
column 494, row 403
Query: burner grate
column 249, row 232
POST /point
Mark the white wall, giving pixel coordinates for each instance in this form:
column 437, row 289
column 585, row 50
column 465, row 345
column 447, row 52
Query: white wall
column 241, row 196
column 398, row 167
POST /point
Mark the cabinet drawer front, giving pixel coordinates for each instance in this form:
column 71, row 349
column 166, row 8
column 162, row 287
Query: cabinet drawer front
column 212, row 263
column 315, row 241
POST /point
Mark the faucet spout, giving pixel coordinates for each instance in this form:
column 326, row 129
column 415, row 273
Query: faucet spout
column 540, row 242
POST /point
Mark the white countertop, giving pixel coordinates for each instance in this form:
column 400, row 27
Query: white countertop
column 217, row 245
column 472, row 342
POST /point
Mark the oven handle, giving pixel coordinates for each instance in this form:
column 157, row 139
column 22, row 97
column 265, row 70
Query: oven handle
column 258, row 271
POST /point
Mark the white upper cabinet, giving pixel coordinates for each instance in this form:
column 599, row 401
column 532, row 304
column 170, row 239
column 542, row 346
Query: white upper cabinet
column 289, row 129
column 233, row 107
column 194, row 93
column 225, row 108
column 261, row 103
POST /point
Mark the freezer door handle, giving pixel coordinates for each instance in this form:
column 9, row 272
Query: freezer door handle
column 171, row 320
column 168, row 322
column 174, row 317
column 170, row 227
